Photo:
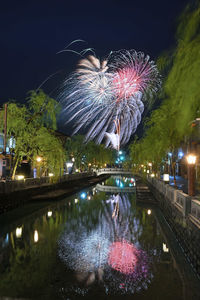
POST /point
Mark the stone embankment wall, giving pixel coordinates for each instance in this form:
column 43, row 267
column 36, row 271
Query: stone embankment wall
column 183, row 215
column 7, row 187
column 17, row 192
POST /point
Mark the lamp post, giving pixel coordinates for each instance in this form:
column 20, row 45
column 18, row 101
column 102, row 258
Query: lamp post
column 39, row 160
column 150, row 167
column 191, row 160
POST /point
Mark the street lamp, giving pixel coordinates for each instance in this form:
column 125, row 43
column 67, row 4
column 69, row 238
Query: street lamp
column 150, row 167
column 38, row 166
column 166, row 178
column 191, row 160
column 39, row 159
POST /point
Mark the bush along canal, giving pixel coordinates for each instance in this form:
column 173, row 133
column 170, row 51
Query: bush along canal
column 98, row 243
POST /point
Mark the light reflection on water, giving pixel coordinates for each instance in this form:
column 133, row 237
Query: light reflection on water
column 108, row 247
column 120, row 181
column 92, row 243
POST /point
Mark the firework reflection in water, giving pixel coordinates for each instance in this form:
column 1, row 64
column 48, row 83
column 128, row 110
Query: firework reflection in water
column 99, row 254
column 99, row 93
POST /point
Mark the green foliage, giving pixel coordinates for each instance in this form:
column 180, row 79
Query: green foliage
column 89, row 153
column 170, row 123
column 182, row 83
column 188, row 26
column 50, row 149
column 30, row 126
column 43, row 109
column 164, row 62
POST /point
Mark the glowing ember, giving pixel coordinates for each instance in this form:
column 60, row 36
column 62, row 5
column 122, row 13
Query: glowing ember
column 122, row 257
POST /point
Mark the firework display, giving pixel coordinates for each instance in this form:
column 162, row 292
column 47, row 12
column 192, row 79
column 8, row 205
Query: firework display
column 100, row 94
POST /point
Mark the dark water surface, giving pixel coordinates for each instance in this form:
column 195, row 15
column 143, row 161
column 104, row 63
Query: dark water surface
column 92, row 245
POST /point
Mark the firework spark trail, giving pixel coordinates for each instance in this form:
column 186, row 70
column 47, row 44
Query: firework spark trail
column 99, row 93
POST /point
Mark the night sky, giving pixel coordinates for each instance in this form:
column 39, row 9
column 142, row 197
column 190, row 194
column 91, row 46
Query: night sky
column 32, row 32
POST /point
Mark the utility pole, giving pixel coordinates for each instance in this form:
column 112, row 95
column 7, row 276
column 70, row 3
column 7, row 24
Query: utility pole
column 5, row 127
column 5, row 141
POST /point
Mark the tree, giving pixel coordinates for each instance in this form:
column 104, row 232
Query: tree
column 50, row 148
column 30, row 126
column 88, row 154
column 169, row 125
column 75, row 148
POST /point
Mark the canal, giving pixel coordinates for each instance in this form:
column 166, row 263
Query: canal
column 97, row 243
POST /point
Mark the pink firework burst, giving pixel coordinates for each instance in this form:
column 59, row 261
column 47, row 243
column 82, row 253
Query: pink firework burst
column 132, row 72
column 126, row 83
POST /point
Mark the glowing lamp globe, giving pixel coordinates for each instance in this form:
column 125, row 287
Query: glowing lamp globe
column 39, row 159
column 191, row 159
column 166, row 177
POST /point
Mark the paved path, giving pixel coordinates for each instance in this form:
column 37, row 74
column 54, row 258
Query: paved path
column 181, row 183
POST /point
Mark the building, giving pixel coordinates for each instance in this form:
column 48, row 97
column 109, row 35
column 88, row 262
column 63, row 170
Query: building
column 6, row 159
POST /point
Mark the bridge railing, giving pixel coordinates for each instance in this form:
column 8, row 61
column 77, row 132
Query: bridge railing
column 112, row 171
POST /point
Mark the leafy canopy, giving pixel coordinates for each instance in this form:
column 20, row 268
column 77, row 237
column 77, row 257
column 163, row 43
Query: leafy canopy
column 170, row 123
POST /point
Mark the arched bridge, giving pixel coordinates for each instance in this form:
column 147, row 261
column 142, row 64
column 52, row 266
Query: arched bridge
column 115, row 189
column 114, row 171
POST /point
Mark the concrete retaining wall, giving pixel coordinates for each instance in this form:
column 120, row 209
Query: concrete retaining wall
column 195, row 212
column 17, row 193
column 8, row 187
column 183, row 215
column 182, row 201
